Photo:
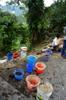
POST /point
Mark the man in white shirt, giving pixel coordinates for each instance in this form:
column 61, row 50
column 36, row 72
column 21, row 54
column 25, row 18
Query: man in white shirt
column 57, row 42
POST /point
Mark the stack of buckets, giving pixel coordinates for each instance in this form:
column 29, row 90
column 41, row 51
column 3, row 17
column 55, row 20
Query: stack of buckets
column 31, row 60
column 23, row 52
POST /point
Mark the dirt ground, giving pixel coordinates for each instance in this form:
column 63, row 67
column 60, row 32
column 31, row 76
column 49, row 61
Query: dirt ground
column 55, row 73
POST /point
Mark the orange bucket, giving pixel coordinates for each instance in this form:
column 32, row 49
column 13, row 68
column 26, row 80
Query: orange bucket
column 32, row 81
column 40, row 67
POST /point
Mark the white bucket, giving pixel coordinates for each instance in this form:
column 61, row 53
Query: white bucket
column 23, row 55
column 44, row 91
column 23, row 52
column 24, row 49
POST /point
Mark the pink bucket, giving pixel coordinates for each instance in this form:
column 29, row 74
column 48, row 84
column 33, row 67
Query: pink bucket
column 32, row 81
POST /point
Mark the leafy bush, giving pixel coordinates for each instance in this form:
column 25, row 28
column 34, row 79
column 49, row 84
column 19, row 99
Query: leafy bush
column 12, row 34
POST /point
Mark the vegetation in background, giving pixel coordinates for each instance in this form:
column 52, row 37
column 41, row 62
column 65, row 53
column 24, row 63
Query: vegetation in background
column 43, row 23
column 12, row 34
column 55, row 17
column 35, row 19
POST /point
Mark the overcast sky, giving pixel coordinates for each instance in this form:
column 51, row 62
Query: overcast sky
column 47, row 2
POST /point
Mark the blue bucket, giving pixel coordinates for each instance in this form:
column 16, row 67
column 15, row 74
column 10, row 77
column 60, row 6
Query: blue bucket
column 18, row 74
column 9, row 56
column 31, row 60
column 29, row 68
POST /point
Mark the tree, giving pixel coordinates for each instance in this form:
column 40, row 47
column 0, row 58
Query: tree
column 35, row 19
column 58, row 20
column 12, row 34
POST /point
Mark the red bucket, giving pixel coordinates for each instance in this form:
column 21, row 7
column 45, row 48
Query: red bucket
column 40, row 67
column 15, row 55
column 32, row 81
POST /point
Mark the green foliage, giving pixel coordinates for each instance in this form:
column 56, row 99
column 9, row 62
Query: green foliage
column 55, row 17
column 12, row 34
column 42, row 22
column 58, row 20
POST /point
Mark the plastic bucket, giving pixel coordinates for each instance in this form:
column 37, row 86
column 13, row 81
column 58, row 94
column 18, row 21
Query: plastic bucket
column 15, row 55
column 23, row 54
column 18, row 74
column 31, row 59
column 29, row 68
column 9, row 56
column 40, row 67
column 32, row 81
column 44, row 91
column 24, row 49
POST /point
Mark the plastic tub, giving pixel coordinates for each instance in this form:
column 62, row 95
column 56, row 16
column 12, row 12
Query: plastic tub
column 32, row 81
column 40, row 67
column 44, row 91
column 18, row 74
